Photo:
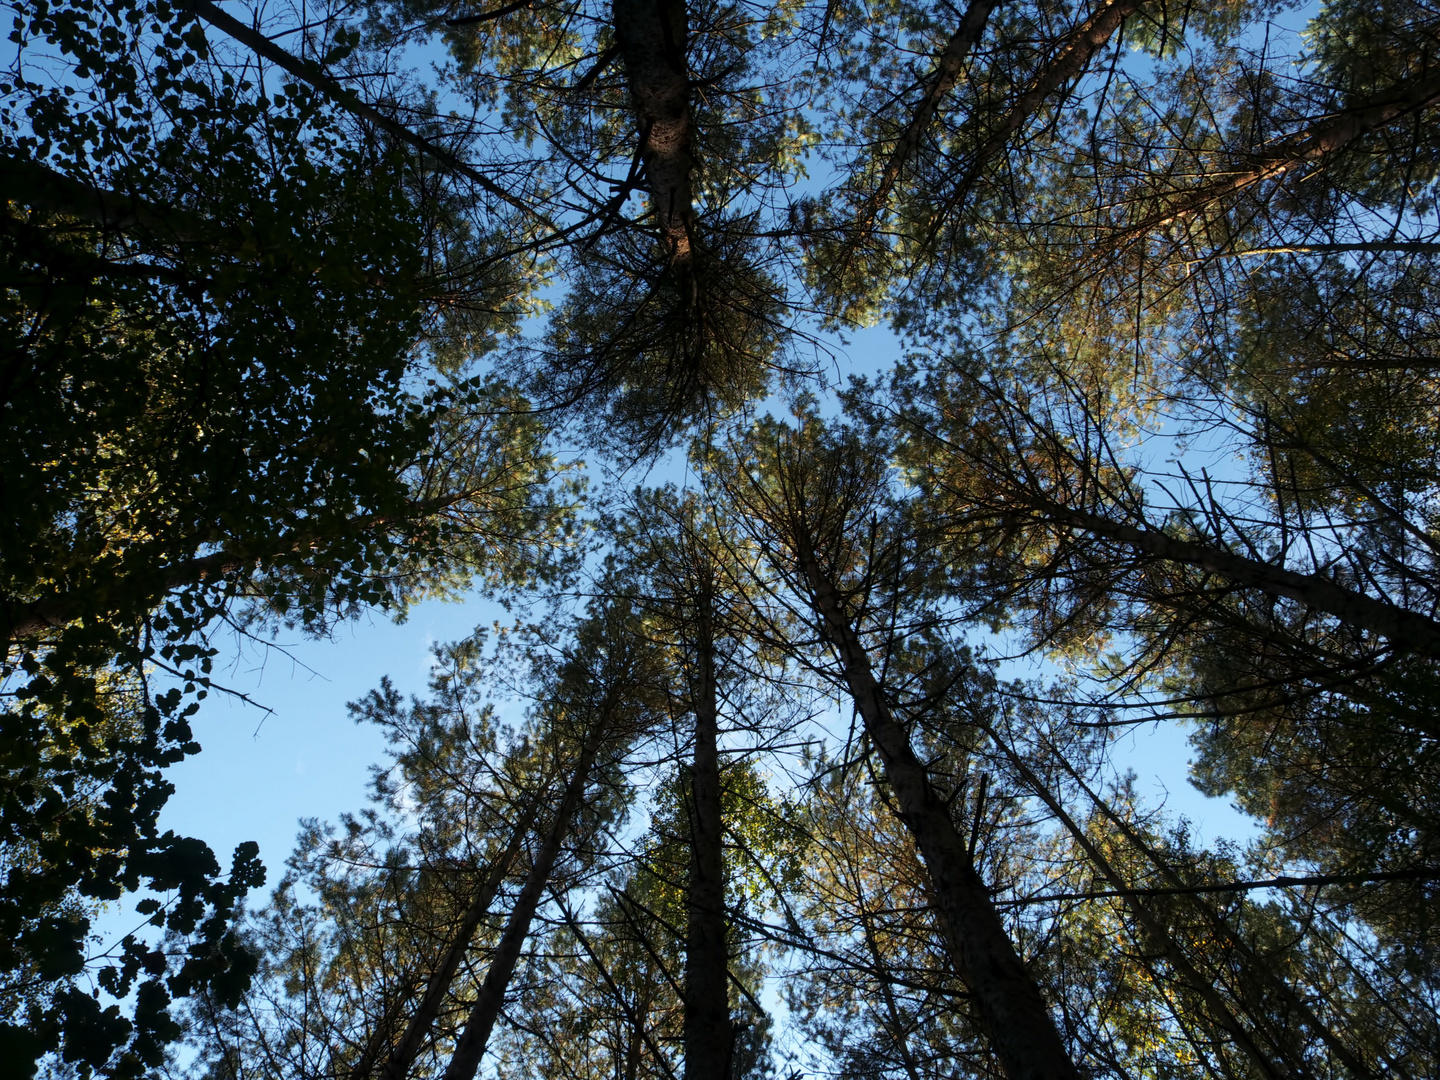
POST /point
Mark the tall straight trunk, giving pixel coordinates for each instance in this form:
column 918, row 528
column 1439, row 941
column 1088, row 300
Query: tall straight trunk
column 402, row 1057
column 1403, row 628
column 1008, row 1003
column 633, row 1049
column 470, row 1047
column 708, row 1035
column 651, row 35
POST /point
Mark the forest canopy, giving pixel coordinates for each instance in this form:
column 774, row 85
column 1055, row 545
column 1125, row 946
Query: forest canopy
column 798, row 758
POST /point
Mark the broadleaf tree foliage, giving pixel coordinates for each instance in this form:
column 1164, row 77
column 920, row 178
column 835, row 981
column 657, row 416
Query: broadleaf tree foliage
column 801, row 762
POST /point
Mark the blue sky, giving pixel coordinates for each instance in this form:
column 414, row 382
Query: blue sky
column 259, row 773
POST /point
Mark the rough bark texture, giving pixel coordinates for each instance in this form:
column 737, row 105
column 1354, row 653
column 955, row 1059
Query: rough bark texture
column 651, row 35
column 397, row 1066
column 1008, row 1003
column 470, row 1047
column 707, row 1033
column 1403, row 628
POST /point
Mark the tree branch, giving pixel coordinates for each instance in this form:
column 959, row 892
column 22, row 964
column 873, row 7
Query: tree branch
column 310, row 73
column 947, row 72
column 1074, row 53
column 1284, row 881
column 487, row 16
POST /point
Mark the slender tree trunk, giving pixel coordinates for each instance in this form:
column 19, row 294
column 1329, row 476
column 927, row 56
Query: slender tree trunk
column 897, row 1026
column 1069, row 62
column 1403, row 628
column 380, row 1033
column 947, row 73
column 470, row 1047
column 633, row 1048
column 652, row 36
column 1152, row 927
column 1277, row 985
column 397, row 1066
column 634, row 1013
column 1008, row 1003
column 708, row 1035
column 1312, row 144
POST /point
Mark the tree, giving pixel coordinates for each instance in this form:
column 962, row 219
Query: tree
column 686, row 597
column 376, row 979
column 601, row 699
column 1165, row 429
column 213, row 310
column 807, row 496
column 687, row 571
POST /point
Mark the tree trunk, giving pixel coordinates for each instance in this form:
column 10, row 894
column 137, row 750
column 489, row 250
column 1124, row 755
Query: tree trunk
column 1403, row 628
column 1278, row 985
column 651, row 35
column 1152, row 927
column 35, row 185
column 892, row 1010
column 1313, row 144
column 397, row 1066
column 470, row 1047
column 1069, row 62
column 947, row 72
column 1008, row 1003
column 707, row 1032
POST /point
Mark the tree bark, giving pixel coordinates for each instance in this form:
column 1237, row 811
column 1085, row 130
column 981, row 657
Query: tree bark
column 651, row 35
column 42, row 188
column 1008, row 1003
column 402, row 1057
column 470, row 1047
column 707, row 1030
